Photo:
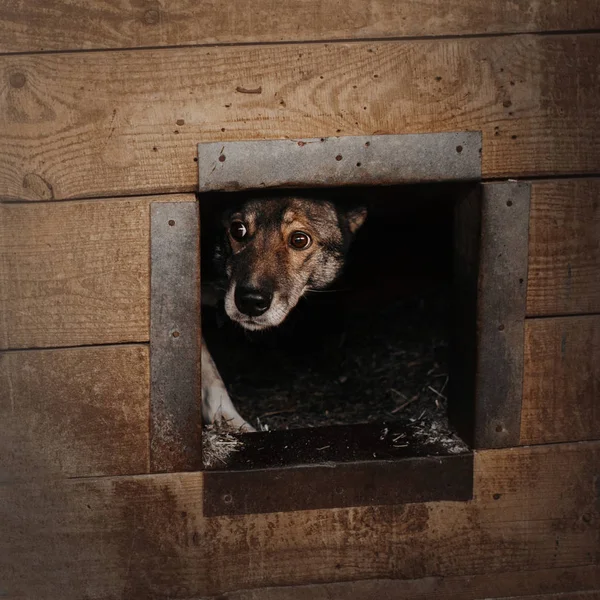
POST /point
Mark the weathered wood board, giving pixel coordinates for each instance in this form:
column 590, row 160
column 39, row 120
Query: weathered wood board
column 116, row 123
column 564, row 248
column 72, row 24
column 81, row 411
column 141, row 537
column 75, row 273
column 478, row 587
column 561, row 384
column 589, row 595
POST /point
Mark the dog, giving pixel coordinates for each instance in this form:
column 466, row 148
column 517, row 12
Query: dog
column 271, row 250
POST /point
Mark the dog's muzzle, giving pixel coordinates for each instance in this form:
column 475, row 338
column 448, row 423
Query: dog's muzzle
column 251, row 301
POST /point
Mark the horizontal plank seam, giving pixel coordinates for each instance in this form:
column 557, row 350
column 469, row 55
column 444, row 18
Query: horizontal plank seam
column 591, row 592
column 94, row 198
column 281, row 588
column 533, row 178
column 104, row 345
column 531, row 444
column 194, row 190
column 414, row 38
column 540, row 317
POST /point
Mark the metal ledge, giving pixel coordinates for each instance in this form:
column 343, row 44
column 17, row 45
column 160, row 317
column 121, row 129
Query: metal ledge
column 339, row 485
column 334, row 161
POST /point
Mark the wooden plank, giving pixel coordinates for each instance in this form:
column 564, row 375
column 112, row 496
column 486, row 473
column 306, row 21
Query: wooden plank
column 138, row 537
column 75, row 273
column 73, row 24
column 105, row 123
column 589, row 595
column 84, row 410
column 478, row 587
column 564, row 248
column 561, row 389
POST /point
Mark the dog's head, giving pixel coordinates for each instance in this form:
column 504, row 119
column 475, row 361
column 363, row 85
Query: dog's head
column 276, row 248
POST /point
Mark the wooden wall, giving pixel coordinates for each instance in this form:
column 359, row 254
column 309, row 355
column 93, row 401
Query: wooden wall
column 101, row 105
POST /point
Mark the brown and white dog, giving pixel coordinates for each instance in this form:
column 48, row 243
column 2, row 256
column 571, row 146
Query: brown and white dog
column 272, row 250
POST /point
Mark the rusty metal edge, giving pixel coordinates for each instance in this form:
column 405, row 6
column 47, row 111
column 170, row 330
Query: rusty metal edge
column 334, row 161
column 175, row 337
column 501, row 309
column 338, row 485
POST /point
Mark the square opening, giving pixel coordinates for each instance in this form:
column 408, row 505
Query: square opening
column 435, row 289
column 428, row 318
column 366, row 370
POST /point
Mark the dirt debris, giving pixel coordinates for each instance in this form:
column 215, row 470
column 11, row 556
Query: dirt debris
column 219, row 442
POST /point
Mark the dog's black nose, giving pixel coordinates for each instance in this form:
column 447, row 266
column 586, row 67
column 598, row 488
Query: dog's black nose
column 251, row 301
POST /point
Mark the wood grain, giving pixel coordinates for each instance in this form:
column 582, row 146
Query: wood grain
column 564, row 248
column 477, row 587
column 589, row 595
column 84, row 410
column 116, row 123
column 75, row 24
column 143, row 537
column 75, row 273
column 561, row 386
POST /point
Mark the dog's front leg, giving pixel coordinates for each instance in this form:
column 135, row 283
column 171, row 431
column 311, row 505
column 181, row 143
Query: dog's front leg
column 216, row 403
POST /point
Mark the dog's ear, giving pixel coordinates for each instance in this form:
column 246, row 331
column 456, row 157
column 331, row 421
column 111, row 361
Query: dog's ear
column 355, row 218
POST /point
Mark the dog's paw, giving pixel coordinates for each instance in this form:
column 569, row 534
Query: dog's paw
column 239, row 424
column 218, row 409
column 232, row 422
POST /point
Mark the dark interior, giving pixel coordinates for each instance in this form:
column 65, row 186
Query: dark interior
column 372, row 349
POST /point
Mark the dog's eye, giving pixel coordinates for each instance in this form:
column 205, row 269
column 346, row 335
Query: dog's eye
column 300, row 240
column 238, row 230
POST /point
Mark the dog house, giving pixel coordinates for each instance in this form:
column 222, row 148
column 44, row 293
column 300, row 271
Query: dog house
column 102, row 183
